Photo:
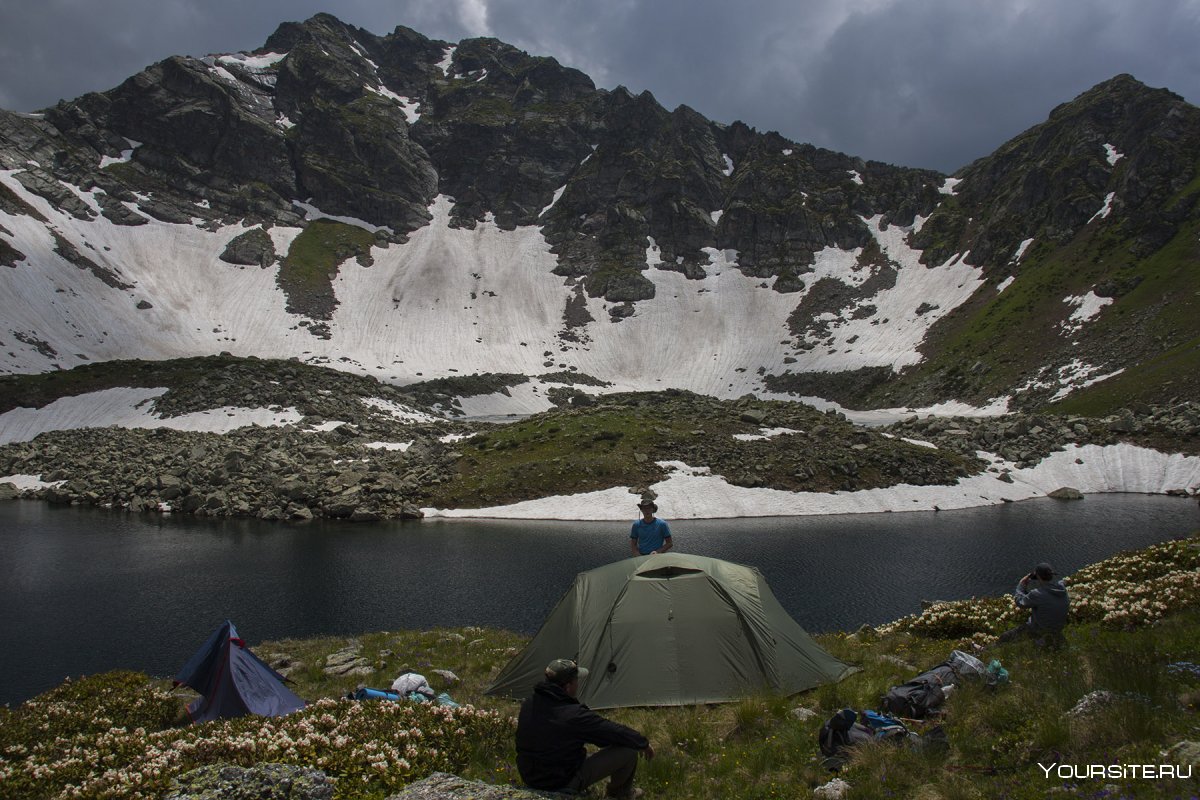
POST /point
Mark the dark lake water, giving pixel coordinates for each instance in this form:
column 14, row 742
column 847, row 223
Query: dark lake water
column 85, row 590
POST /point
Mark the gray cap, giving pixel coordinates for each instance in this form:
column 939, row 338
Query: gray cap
column 1044, row 571
column 563, row 670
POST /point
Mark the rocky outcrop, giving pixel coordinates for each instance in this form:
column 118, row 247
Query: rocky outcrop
column 442, row 786
column 284, row 474
column 252, row 248
column 301, row 471
column 348, row 661
column 1025, row 439
column 312, row 469
column 260, row 782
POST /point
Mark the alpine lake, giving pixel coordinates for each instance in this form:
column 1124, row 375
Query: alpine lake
column 86, row 590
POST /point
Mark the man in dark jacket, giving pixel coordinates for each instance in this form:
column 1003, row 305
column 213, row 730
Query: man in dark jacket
column 553, row 728
column 1049, row 604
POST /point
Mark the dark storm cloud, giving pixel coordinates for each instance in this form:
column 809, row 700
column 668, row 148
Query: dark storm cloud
column 931, row 83
column 939, row 83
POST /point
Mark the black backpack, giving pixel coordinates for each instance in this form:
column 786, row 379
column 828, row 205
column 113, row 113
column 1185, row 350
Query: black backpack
column 915, row 699
column 841, row 732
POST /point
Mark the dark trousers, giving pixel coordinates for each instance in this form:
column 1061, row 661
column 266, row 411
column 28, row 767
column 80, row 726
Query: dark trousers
column 615, row 763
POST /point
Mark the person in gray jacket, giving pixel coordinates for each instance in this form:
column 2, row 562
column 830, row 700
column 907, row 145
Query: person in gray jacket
column 1048, row 603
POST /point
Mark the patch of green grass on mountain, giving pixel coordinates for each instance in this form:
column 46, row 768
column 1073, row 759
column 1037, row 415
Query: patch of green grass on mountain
column 1160, row 314
column 38, row 390
column 1166, row 301
column 1116, row 694
column 618, row 442
column 558, row 453
column 307, row 271
column 1174, row 374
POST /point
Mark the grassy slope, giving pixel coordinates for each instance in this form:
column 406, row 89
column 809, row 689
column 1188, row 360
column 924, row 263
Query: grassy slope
column 307, row 272
column 617, row 443
column 1161, row 314
column 757, row 748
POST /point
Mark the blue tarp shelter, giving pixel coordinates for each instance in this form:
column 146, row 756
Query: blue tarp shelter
column 234, row 681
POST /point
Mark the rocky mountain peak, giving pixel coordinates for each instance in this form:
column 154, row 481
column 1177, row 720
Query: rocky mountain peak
column 321, row 28
column 1120, row 138
column 330, row 145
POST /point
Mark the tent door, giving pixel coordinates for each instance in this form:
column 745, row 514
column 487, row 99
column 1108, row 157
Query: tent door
column 699, row 650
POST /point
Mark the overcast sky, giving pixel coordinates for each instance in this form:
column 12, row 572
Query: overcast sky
column 922, row 83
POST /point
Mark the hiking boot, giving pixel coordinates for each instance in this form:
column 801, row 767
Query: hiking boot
column 632, row 794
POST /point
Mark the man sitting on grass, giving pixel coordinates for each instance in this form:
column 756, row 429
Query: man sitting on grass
column 553, row 728
column 1049, row 603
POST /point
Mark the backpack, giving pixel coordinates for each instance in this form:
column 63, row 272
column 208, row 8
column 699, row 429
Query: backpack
column 841, row 732
column 844, row 730
column 922, row 695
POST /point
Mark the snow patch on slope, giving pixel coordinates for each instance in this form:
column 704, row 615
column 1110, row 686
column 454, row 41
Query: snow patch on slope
column 1105, row 210
column 311, row 212
column 447, row 61
column 398, row 411
column 126, row 155
column 409, row 107
column 1087, row 308
column 1020, row 252
column 558, row 193
column 857, row 341
column 950, row 186
column 764, row 433
column 253, row 62
column 129, row 408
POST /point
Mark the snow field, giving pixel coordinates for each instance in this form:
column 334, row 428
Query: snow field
column 129, row 408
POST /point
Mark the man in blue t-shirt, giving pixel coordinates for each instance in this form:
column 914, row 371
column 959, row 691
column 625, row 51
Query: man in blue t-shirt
column 649, row 534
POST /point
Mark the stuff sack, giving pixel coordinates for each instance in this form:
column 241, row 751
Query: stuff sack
column 966, row 665
column 364, row 693
column 883, row 726
column 411, row 682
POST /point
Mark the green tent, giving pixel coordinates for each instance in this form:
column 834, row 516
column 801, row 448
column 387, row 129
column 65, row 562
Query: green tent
column 672, row 629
